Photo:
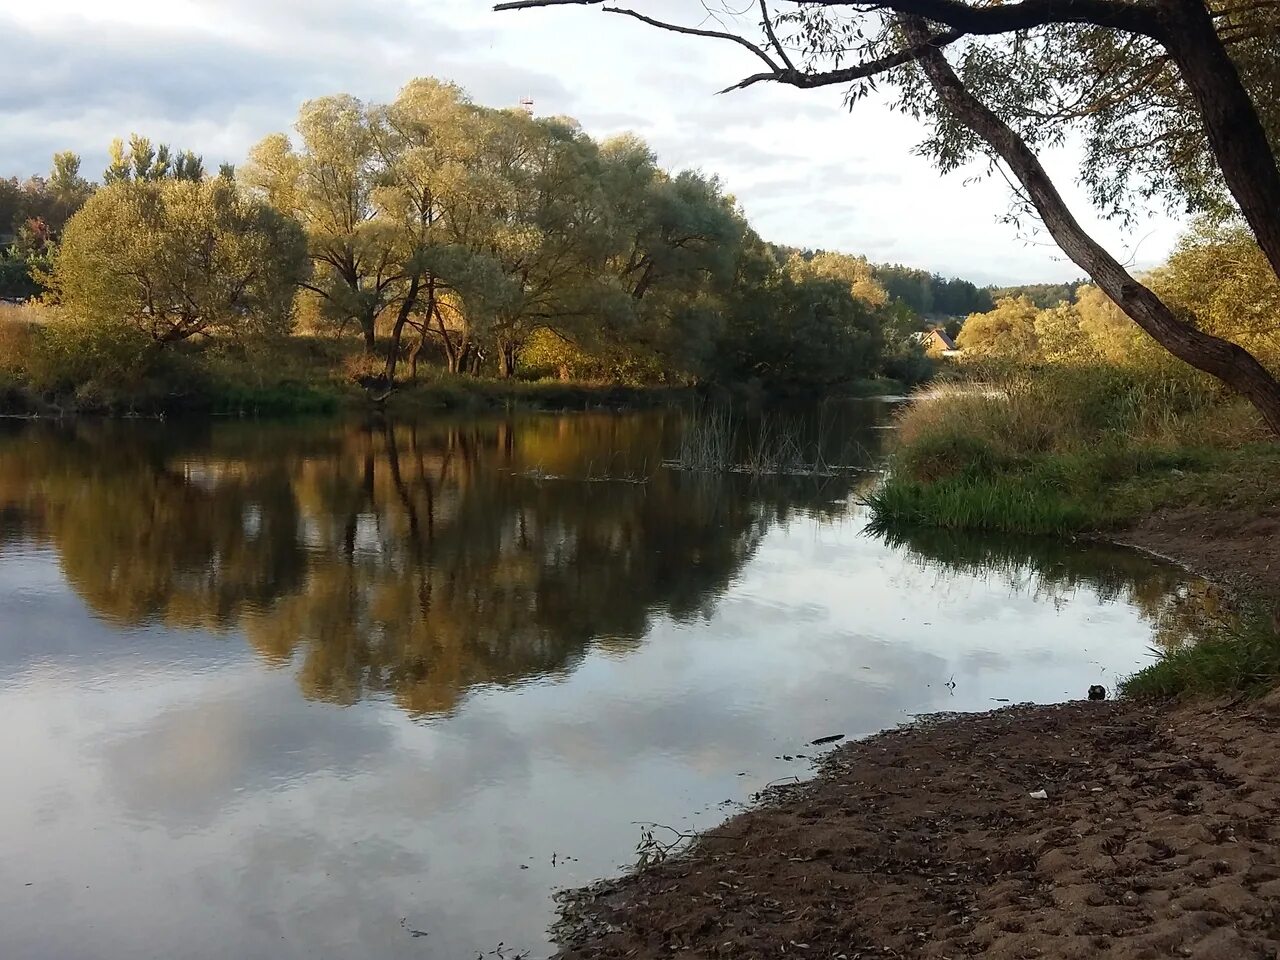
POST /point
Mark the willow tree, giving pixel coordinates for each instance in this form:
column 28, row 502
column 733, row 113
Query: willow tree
column 327, row 182
column 173, row 259
column 1175, row 98
column 425, row 141
column 531, row 236
column 680, row 238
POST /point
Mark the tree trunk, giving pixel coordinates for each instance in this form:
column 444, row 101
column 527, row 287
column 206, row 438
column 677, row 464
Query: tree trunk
column 414, row 353
column 1231, row 122
column 507, row 359
column 460, row 361
column 368, row 325
column 451, row 350
column 1229, row 362
column 642, row 287
column 402, row 317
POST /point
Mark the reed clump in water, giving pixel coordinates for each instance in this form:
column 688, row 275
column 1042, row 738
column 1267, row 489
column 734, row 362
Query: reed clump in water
column 716, row 440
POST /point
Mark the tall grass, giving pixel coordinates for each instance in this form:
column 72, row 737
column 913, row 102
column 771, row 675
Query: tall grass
column 716, row 440
column 1057, row 450
column 707, row 443
column 1240, row 656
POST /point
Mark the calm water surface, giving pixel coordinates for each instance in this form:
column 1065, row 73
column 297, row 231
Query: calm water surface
column 371, row 690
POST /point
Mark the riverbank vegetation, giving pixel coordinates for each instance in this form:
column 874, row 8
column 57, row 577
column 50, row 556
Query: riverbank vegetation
column 434, row 249
column 1069, row 418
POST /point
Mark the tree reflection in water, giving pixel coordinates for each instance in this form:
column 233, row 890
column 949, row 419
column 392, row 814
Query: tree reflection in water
column 410, row 560
column 1179, row 608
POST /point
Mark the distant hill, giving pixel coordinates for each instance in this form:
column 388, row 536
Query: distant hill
column 934, row 297
column 1043, row 295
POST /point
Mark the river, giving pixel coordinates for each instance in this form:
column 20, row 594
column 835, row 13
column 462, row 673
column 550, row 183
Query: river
column 365, row 689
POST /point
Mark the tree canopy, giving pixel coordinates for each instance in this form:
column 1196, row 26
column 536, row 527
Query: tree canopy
column 496, row 236
column 176, row 258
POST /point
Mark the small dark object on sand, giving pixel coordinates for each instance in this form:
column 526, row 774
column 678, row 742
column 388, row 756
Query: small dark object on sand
column 831, row 739
column 1097, row 692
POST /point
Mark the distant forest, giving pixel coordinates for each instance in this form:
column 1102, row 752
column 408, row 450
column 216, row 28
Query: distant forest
column 1043, row 295
column 932, row 295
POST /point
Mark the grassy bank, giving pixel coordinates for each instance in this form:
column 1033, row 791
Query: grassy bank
column 1072, row 451
column 1079, row 491
column 1067, row 451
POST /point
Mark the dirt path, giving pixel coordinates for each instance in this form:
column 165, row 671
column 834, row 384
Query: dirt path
column 1157, row 838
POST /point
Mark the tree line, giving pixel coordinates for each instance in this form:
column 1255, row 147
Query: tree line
column 1217, row 275
column 486, row 241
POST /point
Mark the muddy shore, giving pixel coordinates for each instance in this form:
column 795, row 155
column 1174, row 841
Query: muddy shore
column 1239, row 548
column 1118, row 830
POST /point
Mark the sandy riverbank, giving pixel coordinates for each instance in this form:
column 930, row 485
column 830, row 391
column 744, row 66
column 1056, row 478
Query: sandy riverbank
column 1158, row 834
column 1156, row 838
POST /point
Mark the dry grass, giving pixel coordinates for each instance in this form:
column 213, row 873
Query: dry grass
column 23, row 313
column 18, row 323
column 1064, row 450
column 956, row 427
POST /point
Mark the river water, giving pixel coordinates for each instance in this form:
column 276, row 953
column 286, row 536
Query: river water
column 360, row 689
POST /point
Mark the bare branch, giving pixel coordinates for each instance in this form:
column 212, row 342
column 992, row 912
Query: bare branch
column 862, row 71
column 529, row 4
column 773, row 37
column 695, row 32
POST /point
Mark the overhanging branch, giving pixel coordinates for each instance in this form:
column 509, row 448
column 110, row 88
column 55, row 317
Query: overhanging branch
column 984, row 20
column 694, row 32
column 636, row 15
column 861, row 71
column 960, row 18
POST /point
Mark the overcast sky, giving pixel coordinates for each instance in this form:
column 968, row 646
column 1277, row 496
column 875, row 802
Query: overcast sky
column 217, row 75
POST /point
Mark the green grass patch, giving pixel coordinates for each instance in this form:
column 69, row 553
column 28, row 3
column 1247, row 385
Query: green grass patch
column 1238, row 657
column 962, row 483
column 1008, row 505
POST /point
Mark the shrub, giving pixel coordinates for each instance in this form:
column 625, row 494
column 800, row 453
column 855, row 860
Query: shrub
column 75, row 354
column 174, row 259
column 1241, row 655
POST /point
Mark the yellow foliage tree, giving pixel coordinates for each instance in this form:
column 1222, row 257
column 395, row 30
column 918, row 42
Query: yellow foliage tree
column 1008, row 332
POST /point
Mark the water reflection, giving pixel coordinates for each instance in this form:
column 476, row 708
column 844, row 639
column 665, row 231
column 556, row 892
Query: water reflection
column 409, row 560
column 594, row 639
column 1179, row 608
